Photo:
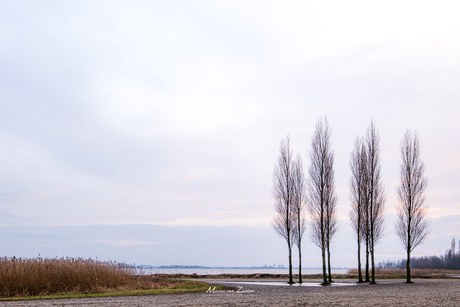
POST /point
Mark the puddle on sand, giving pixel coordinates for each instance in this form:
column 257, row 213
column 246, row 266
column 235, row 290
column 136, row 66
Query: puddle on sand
column 269, row 283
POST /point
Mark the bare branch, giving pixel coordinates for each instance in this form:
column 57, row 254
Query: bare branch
column 299, row 201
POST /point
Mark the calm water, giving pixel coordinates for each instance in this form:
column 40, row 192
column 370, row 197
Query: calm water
column 237, row 271
column 305, row 284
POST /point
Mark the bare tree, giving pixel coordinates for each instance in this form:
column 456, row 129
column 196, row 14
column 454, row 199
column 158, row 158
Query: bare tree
column 322, row 199
column 299, row 206
column 412, row 227
column 376, row 197
column 283, row 192
column 331, row 218
column 367, row 227
column 358, row 191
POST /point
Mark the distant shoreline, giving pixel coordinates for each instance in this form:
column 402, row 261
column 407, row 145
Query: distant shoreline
column 229, row 267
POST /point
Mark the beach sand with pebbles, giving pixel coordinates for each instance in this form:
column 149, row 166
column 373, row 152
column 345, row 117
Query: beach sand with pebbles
column 432, row 292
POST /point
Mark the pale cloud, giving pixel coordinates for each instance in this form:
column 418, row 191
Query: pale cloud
column 221, row 220
column 422, row 88
column 200, row 174
column 168, row 177
column 192, row 177
column 43, row 195
column 138, row 113
column 127, row 243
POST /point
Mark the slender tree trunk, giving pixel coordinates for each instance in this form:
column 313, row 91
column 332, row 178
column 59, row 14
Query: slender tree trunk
column 290, row 265
column 371, row 215
column 323, row 254
column 329, row 262
column 323, row 248
column 360, row 275
column 408, row 253
column 409, row 226
column 300, row 265
column 372, row 245
column 372, row 261
column 299, row 242
column 408, row 267
column 367, row 259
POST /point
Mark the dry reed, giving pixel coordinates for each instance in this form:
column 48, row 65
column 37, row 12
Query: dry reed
column 44, row 276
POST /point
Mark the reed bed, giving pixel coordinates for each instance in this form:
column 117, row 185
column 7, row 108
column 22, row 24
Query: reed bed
column 45, row 276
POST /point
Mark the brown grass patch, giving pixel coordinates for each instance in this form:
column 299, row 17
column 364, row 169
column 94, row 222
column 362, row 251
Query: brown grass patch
column 44, row 276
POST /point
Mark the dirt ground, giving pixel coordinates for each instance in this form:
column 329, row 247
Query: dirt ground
column 430, row 292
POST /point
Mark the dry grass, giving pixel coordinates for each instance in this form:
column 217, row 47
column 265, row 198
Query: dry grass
column 401, row 274
column 44, row 276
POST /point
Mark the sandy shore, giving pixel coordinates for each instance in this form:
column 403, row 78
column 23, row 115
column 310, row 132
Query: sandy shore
column 386, row 293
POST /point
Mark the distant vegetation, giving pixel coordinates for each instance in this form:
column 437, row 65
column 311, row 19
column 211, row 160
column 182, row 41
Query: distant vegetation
column 26, row 277
column 449, row 261
column 176, row 266
column 401, row 274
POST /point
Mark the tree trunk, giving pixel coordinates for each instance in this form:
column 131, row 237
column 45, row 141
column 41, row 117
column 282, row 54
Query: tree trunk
column 360, row 275
column 373, row 267
column 372, row 244
column 408, row 267
column 290, row 265
column 409, row 242
column 329, row 262
column 367, row 259
column 371, row 220
column 300, row 264
column 323, row 245
column 323, row 254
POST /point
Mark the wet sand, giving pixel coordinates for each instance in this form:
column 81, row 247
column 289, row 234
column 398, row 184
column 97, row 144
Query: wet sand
column 432, row 292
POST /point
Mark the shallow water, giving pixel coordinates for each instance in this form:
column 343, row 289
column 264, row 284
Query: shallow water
column 212, row 271
column 274, row 283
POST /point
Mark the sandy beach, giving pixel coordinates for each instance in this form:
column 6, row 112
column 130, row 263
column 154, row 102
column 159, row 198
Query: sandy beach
column 385, row 293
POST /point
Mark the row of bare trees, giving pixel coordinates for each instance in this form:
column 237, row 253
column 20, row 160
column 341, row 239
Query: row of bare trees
column 289, row 193
column 284, row 194
column 367, row 195
column 322, row 199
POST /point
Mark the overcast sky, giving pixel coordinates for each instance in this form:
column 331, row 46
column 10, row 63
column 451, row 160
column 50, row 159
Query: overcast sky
column 171, row 112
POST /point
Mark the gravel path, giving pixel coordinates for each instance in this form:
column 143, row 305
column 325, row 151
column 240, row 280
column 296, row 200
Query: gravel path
column 385, row 293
